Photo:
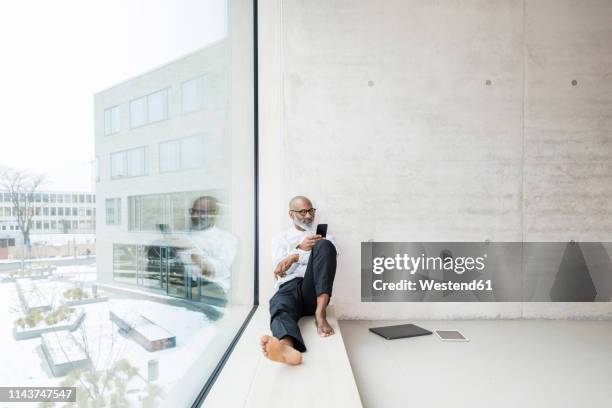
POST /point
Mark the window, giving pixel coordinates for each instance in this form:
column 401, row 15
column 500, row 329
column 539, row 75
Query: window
column 52, row 198
column 74, row 211
column 192, row 94
column 89, row 198
column 53, row 211
column 60, row 211
column 46, row 211
column 149, row 109
column 67, row 198
column 128, row 163
column 46, row 225
column 81, row 198
column 60, row 198
column 75, row 225
column 113, row 211
column 111, row 120
column 38, row 225
column 181, row 154
column 81, row 212
column 53, row 225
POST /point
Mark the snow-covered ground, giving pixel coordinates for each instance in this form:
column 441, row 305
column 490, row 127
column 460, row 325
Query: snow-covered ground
column 23, row 363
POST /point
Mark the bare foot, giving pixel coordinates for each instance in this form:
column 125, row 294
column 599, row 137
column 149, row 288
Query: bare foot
column 280, row 352
column 323, row 327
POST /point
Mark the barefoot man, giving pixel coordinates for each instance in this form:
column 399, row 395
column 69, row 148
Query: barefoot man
column 304, row 268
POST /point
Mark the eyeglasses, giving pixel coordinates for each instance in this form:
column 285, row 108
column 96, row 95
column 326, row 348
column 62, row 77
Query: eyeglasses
column 303, row 212
column 198, row 211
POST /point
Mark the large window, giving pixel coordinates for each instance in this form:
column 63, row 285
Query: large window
column 158, row 269
column 128, row 163
column 149, row 109
column 181, row 154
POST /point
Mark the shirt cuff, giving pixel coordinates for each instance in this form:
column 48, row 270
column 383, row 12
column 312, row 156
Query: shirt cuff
column 303, row 256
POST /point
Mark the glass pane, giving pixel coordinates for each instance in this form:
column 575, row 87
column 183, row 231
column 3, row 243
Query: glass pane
column 136, row 162
column 157, row 106
column 118, row 164
column 138, row 113
column 181, row 265
column 169, row 156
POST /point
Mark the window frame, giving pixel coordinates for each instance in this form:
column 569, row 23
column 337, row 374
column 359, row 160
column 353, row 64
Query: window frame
column 147, row 118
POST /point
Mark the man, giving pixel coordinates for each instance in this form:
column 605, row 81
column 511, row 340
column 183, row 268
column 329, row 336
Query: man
column 304, row 268
column 209, row 250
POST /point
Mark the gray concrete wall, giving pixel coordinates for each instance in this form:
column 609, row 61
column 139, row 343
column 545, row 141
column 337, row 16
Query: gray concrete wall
column 418, row 120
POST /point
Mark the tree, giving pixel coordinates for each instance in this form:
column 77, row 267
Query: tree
column 21, row 187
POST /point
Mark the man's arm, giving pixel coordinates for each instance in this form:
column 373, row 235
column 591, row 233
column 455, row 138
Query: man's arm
column 283, row 256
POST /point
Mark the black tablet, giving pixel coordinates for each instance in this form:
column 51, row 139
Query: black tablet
column 399, row 331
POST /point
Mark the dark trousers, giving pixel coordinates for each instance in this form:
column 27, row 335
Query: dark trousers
column 298, row 297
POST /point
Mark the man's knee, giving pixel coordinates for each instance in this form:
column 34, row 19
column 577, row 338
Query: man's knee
column 324, row 246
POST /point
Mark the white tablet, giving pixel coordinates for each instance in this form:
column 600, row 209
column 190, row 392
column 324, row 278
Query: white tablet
column 451, row 335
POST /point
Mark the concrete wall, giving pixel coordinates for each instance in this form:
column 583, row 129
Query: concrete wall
column 418, row 120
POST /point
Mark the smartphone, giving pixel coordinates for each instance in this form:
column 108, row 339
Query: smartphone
column 322, row 230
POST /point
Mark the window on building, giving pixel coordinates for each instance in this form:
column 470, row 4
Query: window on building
column 53, row 211
column 128, row 163
column 60, row 198
column 81, row 198
column 75, row 224
column 75, row 211
column 81, row 212
column 52, row 198
column 46, row 225
column 149, row 109
column 46, row 211
column 38, row 225
column 67, row 198
column 60, row 211
column 111, row 120
column 181, row 154
column 53, row 224
column 113, row 211
column 192, row 94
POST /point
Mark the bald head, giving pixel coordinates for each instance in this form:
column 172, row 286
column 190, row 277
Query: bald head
column 301, row 212
column 299, row 202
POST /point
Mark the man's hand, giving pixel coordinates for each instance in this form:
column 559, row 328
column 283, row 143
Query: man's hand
column 206, row 268
column 309, row 242
column 284, row 265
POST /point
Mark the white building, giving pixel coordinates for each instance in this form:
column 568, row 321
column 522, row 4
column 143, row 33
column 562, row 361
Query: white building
column 161, row 141
column 55, row 212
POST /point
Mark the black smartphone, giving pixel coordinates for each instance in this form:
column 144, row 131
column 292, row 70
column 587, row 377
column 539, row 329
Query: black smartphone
column 322, row 230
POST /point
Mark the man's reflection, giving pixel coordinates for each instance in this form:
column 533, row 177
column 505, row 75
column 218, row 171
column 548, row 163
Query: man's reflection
column 212, row 249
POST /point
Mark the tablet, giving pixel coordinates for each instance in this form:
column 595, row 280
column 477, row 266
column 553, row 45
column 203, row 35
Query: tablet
column 450, row 335
column 399, row 331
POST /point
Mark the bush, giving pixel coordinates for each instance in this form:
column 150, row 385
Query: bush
column 76, row 294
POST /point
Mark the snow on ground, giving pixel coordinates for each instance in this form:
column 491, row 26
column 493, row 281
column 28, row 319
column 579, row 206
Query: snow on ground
column 23, row 364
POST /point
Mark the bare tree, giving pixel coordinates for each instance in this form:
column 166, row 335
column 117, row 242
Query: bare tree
column 21, row 186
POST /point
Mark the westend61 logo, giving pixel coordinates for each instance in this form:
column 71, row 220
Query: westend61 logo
column 430, row 263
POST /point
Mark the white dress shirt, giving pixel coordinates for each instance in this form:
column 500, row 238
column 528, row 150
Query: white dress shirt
column 285, row 244
column 217, row 247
